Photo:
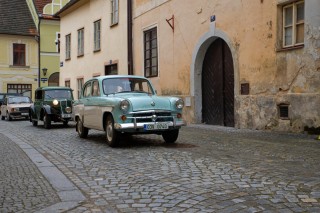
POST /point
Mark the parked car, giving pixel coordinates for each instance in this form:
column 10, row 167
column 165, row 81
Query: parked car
column 126, row 104
column 15, row 107
column 3, row 95
column 52, row 104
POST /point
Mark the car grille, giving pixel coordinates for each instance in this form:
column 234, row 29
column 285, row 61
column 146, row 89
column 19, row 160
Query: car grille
column 152, row 116
column 24, row 109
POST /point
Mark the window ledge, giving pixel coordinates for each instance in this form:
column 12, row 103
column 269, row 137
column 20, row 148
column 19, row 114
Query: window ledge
column 113, row 25
column 19, row 66
column 290, row 48
column 79, row 56
column 98, row 50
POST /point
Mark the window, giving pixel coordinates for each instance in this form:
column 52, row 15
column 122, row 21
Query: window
column 80, row 82
column 95, row 89
column 19, row 54
column 68, row 46
column 97, row 31
column 114, row 12
column 293, row 24
column 87, row 90
column 81, row 42
column 67, row 83
column 111, row 69
column 150, row 53
column 24, row 89
column 57, row 42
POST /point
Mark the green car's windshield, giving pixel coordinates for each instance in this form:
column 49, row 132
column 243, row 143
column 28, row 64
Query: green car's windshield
column 58, row 94
column 19, row 100
column 121, row 85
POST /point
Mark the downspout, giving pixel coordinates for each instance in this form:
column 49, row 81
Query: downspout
column 40, row 16
column 129, row 30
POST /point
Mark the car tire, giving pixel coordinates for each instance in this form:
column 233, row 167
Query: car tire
column 34, row 123
column 82, row 131
column 8, row 117
column 112, row 136
column 47, row 121
column 2, row 117
column 170, row 136
column 65, row 123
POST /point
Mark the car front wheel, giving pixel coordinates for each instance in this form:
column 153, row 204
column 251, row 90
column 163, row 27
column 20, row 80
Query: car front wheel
column 34, row 123
column 2, row 117
column 47, row 121
column 112, row 135
column 82, row 131
column 170, row 136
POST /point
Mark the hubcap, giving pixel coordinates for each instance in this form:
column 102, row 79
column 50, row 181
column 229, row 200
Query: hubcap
column 109, row 131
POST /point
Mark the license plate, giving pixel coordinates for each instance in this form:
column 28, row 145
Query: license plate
column 66, row 115
column 24, row 114
column 156, row 126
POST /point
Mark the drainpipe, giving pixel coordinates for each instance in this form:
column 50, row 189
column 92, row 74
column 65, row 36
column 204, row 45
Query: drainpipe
column 40, row 16
column 129, row 30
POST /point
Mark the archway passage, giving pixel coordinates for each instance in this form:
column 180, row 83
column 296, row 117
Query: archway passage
column 54, row 79
column 218, row 85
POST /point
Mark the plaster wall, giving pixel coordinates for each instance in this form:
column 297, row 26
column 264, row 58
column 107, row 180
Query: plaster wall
column 252, row 30
column 10, row 74
column 113, row 42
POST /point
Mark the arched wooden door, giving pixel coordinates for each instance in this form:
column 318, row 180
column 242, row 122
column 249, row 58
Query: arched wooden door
column 218, row 85
column 54, row 79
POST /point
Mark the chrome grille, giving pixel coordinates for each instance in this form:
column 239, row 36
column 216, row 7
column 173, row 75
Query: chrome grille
column 152, row 116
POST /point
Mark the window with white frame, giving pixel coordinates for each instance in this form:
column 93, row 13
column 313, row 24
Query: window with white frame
column 68, row 46
column 57, row 42
column 80, row 82
column 150, row 53
column 97, row 33
column 293, row 24
column 81, row 42
column 114, row 12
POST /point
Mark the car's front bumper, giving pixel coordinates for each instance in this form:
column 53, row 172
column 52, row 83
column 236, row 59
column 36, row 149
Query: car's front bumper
column 134, row 126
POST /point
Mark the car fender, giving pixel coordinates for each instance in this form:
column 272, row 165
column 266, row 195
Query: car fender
column 46, row 109
column 32, row 113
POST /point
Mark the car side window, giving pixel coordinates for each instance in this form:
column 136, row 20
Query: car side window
column 95, row 89
column 87, row 90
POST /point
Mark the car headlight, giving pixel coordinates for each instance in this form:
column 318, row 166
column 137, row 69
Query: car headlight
column 179, row 103
column 124, row 105
column 55, row 102
column 68, row 109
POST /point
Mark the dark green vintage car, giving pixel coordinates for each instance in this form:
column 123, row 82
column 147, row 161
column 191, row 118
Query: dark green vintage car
column 52, row 104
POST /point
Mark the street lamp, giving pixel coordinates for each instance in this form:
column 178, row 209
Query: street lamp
column 44, row 70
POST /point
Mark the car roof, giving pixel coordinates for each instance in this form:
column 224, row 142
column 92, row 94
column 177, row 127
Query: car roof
column 117, row 76
column 53, row 88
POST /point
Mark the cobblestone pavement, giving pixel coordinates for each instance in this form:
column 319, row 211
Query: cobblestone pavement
column 209, row 169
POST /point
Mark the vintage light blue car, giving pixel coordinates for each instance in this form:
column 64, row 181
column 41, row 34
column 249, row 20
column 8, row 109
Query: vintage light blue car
column 120, row 104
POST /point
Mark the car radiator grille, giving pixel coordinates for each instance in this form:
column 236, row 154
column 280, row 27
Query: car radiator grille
column 152, row 116
column 24, row 109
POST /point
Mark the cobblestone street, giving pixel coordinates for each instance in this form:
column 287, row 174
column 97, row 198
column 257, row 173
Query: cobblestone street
column 209, row 169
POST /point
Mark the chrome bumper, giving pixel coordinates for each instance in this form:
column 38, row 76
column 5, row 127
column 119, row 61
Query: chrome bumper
column 122, row 126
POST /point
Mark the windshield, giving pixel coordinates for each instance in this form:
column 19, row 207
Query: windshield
column 118, row 85
column 19, row 100
column 1, row 96
column 58, row 94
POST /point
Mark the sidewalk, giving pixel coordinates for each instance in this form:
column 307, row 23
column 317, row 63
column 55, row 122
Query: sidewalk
column 29, row 182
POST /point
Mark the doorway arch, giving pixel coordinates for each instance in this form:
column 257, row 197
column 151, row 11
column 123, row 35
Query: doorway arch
column 54, row 79
column 218, row 85
column 207, row 43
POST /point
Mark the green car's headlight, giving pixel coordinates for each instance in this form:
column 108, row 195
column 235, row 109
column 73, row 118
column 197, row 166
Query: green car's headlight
column 55, row 102
column 124, row 105
column 179, row 103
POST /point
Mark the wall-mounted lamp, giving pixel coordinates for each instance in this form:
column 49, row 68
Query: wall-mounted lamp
column 44, row 70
